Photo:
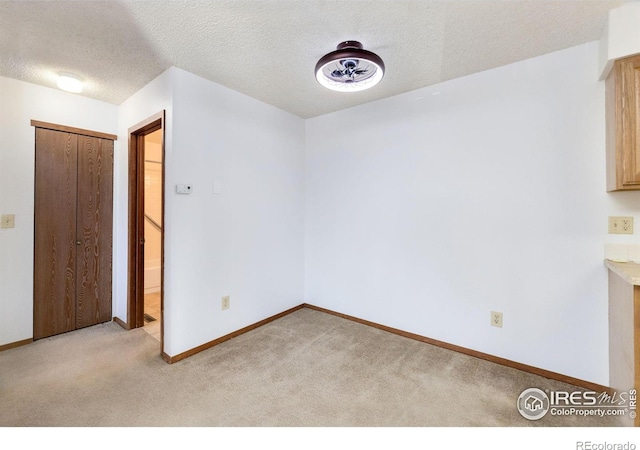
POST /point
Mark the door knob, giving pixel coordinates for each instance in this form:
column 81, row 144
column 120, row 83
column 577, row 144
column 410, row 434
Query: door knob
column 142, row 241
column 78, row 242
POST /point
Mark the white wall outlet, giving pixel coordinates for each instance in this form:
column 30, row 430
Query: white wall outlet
column 7, row 221
column 496, row 319
column 620, row 225
column 226, row 302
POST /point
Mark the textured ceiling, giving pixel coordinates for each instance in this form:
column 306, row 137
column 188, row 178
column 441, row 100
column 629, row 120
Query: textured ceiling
column 268, row 48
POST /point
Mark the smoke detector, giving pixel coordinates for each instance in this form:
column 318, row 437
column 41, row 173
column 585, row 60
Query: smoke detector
column 349, row 68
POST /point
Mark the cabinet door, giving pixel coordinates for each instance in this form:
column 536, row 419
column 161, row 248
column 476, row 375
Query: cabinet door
column 94, row 231
column 622, row 106
column 55, row 233
column 629, row 95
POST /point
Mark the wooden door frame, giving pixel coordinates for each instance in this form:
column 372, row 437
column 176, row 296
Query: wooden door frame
column 135, row 297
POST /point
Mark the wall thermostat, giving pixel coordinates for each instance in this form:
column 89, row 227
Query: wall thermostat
column 183, row 188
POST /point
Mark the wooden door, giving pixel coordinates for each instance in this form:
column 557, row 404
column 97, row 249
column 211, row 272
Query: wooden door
column 73, row 231
column 55, row 233
column 94, row 231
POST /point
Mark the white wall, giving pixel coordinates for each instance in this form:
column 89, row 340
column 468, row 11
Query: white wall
column 428, row 210
column 21, row 102
column 247, row 242
column 424, row 211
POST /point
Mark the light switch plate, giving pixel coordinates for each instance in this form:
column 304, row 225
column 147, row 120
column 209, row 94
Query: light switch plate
column 7, row 221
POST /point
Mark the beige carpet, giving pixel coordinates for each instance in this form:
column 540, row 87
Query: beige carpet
column 305, row 369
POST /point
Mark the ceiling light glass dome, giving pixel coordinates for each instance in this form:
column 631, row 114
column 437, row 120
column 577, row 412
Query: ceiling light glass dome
column 70, row 83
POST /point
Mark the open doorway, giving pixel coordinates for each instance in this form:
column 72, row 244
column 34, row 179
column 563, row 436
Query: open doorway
column 146, row 227
column 153, row 187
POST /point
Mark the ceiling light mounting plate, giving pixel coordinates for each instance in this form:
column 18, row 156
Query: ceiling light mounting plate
column 349, row 68
column 349, row 44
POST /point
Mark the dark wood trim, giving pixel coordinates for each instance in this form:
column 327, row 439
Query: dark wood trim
column 135, row 312
column 15, row 344
column 135, row 233
column 135, row 283
column 220, row 340
column 120, row 322
column 139, row 218
column 132, row 284
column 56, row 127
column 148, row 125
column 485, row 356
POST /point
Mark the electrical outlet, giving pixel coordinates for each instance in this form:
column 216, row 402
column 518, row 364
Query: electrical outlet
column 6, row 221
column 226, row 302
column 496, row 319
column 620, row 225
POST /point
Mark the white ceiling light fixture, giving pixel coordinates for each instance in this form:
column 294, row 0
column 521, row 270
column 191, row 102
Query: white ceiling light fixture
column 350, row 68
column 70, row 83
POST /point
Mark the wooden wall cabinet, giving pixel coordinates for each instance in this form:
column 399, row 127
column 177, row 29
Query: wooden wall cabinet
column 622, row 94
